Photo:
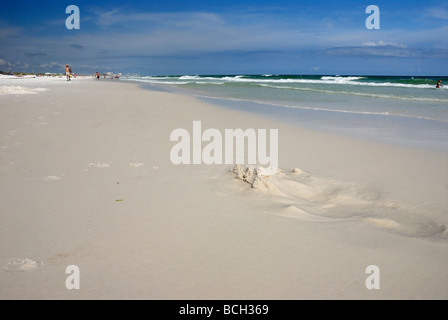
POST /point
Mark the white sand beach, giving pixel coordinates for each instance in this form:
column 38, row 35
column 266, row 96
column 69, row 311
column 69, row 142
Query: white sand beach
column 86, row 180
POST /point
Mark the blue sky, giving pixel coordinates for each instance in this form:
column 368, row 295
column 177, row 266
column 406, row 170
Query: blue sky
column 226, row 37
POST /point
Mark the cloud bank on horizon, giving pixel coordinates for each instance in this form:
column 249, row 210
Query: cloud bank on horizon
column 231, row 37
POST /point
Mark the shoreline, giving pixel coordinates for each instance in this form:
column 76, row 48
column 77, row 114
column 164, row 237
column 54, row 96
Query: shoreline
column 393, row 129
column 87, row 180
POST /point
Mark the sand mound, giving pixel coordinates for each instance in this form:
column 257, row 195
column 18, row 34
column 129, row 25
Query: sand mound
column 301, row 196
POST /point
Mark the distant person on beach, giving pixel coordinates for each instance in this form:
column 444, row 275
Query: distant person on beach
column 68, row 71
column 97, row 75
column 439, row 84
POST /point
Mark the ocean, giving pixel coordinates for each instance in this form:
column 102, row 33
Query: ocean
column 403, row 110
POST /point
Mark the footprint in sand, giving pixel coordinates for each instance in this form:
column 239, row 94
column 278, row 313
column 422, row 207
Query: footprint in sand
column 135, row 164
column 52, row 178
column 99, row 165
column 20, row 264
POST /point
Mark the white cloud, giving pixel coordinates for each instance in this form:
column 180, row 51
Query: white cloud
column 142, row 34
column 9, row 31
column 52, row 64
column 437, row 12
column 382, row 43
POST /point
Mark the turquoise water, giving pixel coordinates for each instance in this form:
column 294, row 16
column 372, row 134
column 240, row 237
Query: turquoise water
column 405, row 110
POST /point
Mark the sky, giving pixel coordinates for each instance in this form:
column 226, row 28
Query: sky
column 205, row 37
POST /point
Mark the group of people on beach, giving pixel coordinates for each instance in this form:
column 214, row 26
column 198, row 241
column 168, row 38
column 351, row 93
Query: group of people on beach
column 68, row 73
column 97, row 76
